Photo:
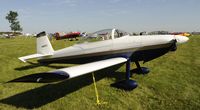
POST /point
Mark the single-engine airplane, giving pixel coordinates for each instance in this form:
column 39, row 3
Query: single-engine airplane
column 71, row 35
column 101, row 50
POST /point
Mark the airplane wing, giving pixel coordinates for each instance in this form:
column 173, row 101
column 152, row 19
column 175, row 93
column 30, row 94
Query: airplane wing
column 24, row 58
column 70, row 72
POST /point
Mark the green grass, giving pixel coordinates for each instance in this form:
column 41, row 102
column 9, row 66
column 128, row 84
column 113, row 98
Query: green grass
column 173, row 83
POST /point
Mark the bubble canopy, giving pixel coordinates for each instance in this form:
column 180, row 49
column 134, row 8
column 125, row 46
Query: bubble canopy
column 105, row 34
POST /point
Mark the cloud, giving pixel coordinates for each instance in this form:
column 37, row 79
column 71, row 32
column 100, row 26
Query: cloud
column 115, row 1
column 71, row 3
column 114, row 12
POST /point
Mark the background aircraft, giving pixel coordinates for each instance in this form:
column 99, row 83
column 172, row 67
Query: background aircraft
column 71, row 36
column 181, row 33
column 100, row 50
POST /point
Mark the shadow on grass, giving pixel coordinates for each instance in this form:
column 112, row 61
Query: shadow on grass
column 45, row 94
column 35, row 65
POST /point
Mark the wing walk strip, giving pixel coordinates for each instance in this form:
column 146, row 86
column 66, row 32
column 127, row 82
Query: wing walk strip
column 70, row 72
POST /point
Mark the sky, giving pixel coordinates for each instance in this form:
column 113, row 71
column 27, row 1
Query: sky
column 93, row 15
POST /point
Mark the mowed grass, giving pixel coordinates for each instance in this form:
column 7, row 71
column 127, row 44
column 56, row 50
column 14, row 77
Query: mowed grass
column 173, row 83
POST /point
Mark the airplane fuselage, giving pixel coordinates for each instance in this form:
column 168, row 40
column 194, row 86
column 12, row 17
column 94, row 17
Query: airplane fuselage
column 124, row 46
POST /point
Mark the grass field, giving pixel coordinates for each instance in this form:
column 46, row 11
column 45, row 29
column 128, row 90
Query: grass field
column 172, row 84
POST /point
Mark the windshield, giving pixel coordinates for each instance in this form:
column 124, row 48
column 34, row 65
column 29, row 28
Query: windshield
column 102, row 35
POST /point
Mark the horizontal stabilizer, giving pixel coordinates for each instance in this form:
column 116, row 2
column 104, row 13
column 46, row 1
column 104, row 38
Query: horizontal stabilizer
column 24, row 58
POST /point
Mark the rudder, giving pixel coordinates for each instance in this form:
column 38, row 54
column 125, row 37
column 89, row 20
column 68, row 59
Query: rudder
column 43, row 44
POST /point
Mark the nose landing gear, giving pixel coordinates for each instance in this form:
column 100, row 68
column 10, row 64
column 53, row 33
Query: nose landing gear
column 139, row 69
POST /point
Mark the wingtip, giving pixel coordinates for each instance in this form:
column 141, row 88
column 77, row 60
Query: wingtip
column 44, row 77
column 21, row 59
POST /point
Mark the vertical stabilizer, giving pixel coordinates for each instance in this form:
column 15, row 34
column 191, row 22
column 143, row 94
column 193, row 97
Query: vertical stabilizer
column 43, row 44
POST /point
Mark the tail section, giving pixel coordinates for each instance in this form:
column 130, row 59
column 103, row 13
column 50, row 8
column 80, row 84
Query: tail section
column 44, row 48
column 43, row 44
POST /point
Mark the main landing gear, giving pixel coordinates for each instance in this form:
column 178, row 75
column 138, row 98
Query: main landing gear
column 129, row 84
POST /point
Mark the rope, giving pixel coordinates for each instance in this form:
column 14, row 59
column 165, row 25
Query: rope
column 96, row 91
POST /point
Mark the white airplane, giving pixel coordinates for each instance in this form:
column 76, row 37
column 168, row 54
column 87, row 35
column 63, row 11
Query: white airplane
column 101, row 50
